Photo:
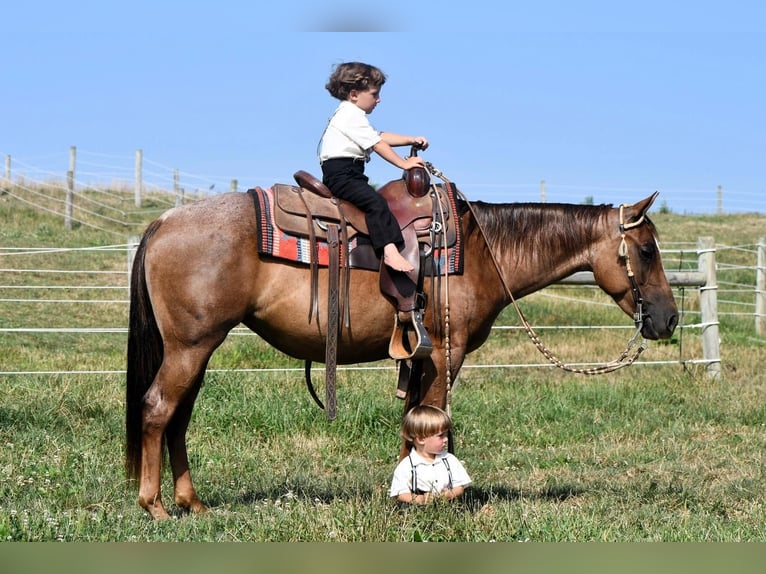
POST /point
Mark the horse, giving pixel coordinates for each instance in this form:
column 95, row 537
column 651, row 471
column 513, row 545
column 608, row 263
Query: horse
column 197, row 274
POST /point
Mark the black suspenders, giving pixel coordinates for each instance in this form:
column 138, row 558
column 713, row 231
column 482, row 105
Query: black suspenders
column 414, row 485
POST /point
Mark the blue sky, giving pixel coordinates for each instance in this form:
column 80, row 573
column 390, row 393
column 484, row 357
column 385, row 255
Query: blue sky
column 604, row 100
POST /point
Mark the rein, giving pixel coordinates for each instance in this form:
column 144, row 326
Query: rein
column 626, row 358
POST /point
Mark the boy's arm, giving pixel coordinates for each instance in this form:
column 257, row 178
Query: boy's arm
column 449, row 494
column 454, row 492
column 398, row 140
column 385, row 151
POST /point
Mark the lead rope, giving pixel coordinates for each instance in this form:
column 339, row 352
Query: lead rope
column 622, row 361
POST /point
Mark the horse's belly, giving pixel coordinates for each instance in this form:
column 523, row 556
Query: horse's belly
column 358, row 346
column 294, row 333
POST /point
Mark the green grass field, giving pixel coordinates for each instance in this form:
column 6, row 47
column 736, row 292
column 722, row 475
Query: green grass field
column 648, row 453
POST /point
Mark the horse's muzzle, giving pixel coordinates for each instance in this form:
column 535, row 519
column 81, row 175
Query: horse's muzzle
column 653, row 330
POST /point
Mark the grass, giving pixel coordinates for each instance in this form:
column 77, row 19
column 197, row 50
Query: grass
column 650, row 453
column 675, row 459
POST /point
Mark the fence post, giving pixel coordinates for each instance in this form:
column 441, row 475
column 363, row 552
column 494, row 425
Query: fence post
column 138, row 189
column 709, row 306
column 177, row 191
column 760, row 289
column 719, row 207
column 69, row 200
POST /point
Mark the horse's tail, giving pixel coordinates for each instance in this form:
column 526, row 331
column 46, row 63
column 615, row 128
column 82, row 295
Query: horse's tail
column 144, row 358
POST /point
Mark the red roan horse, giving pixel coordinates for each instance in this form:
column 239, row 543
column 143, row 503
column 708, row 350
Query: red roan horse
column 197, row 274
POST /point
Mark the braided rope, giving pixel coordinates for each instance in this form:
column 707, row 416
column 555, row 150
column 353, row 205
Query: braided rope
column 447, row 342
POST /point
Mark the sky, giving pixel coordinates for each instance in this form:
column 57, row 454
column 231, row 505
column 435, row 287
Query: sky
column 603, row 101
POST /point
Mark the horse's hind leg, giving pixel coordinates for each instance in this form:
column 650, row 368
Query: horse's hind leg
column 166, row 412
column 175, row 435
column 157, row 410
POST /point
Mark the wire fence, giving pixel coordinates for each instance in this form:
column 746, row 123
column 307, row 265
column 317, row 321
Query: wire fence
column 49, row 292
column 46, row 291
column 111, row 193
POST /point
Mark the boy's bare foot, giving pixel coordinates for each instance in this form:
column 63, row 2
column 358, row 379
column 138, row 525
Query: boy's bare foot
column 393, row 259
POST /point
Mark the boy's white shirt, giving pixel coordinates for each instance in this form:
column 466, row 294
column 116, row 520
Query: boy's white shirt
column 348, row 134
column 431, row 476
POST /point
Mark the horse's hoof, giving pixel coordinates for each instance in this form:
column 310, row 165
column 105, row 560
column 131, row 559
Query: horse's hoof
column 158, row 514
column 155, row 508
column 197, row 507
column 191, row 504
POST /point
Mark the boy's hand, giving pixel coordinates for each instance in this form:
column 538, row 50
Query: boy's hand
column 413, row 161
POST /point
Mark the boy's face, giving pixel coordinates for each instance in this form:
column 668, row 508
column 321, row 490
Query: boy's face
column 434, row 444
column 365, row 100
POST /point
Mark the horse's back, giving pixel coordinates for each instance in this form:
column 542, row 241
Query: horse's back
column 200, row 260
column 210, row 234
column 232, row 211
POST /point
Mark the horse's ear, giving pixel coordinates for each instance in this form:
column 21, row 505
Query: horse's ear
column 636, row 211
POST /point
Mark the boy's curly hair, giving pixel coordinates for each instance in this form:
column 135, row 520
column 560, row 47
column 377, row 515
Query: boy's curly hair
column 353, row 76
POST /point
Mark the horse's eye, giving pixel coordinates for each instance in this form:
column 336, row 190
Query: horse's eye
column 647, row 251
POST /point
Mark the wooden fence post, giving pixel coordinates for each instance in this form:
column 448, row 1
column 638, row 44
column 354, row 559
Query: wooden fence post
column 719, row 201
column 709, row 306
column 760, row 289
column 177, row 191
column 69, row 200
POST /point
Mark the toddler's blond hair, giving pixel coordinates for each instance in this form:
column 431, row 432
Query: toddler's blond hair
column 423, row 421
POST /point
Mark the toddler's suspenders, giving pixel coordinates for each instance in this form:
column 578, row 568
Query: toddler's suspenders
column 449, row 473
column 414, row 485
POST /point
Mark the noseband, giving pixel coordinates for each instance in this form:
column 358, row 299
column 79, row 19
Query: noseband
column 638, row 315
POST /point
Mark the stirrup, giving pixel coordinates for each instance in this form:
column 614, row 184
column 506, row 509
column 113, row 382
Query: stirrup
column 409, row 339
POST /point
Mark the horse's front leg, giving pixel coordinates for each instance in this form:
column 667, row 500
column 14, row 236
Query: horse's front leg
column 434, row 386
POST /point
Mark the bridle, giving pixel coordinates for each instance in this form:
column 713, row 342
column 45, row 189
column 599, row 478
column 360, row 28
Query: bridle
column 638, row 314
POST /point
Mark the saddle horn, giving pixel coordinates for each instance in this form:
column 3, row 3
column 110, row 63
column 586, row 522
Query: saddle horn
column 417, row 180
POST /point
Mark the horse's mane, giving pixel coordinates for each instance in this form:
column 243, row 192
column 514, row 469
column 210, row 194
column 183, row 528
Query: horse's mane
column 538, row 227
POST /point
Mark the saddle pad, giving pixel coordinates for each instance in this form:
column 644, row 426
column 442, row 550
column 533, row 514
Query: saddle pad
column 275, row 242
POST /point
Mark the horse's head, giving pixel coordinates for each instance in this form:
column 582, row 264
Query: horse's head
column 629, row 268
